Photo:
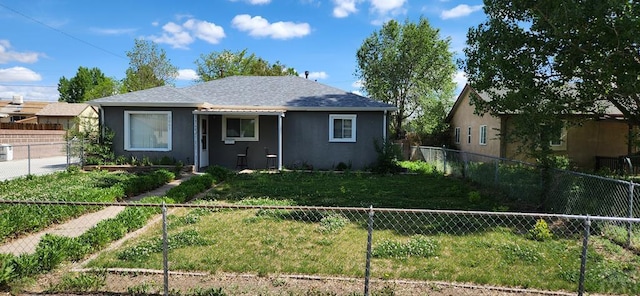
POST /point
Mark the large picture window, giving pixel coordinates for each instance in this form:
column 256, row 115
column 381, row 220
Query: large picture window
column 240, row 128
column 342, row 128
column 147, row 130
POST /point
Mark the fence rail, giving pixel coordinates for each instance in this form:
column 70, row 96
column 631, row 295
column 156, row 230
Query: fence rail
column 371, row 246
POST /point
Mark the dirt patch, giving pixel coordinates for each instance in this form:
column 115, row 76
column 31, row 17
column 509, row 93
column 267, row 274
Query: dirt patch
column 249, row 284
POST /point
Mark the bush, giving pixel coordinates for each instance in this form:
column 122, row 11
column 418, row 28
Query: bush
column 388, row 156
column 219, row 173
column 540, row 231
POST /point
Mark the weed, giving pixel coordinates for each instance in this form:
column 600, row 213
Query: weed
column 207, row 292
column 540, row 231
column 417, row 246
column 474, row 197
column 80, row 282
column 141, row 289
column 332, row 223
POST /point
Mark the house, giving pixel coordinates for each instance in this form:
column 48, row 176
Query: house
column 68, row 115
column 605, row 136
column 302, row 122
column 18, row 109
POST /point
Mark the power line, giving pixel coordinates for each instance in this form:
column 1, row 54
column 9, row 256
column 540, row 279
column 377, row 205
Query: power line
column 62, row 32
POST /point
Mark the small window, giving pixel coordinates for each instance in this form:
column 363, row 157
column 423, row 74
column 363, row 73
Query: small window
column 342, row 128
column 483, row 135
column 240, row 128
column 147, row 130
column 469, row 135
column 457, row 135
column 559, row 141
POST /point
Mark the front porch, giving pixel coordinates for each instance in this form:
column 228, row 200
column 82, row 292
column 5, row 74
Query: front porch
column 221, row 134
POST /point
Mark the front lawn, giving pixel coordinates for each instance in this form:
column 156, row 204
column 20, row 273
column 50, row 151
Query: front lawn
column 415, row 246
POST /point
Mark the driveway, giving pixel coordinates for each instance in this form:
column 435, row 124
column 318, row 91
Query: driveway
column 38, row 166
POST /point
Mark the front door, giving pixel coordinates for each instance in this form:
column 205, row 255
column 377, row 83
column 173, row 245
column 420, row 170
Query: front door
column 204, row 141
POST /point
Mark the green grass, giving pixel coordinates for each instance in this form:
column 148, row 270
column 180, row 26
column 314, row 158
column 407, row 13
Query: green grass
column 409, row 246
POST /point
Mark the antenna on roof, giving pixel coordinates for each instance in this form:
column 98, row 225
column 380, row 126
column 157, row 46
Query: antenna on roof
column 306, row 74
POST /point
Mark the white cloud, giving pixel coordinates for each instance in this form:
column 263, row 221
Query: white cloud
column 343, row 8
column 258, row 26
column 387, row 6
column 7, row 55
column 460, row 78
column 30, row 92
column 187, row 74
column 180, row 36
column 204, row 30
column 20, row 74
column 104, row 31
column 255, row 2
column 459, row 11
column 315, row 75
column 357, row 84
column 357, row 92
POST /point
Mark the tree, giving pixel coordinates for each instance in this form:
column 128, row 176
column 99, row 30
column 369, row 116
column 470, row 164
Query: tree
column 544, row 60
column 88, row 84
column 217, row 65
column 148, row 67
column 410, row 67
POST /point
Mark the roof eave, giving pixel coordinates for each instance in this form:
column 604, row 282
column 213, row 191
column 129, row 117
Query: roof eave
column 146, row 104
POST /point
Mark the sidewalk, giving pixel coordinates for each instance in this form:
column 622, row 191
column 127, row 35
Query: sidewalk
column 78, row 226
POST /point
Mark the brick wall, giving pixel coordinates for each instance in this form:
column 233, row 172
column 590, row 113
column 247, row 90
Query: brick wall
column 40, row 143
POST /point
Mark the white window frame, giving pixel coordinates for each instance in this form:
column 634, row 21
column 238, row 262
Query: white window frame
column 352, row 117
column 469, row 135
column 256, row 126
column 456, row 135
column 563, row 141
column 127, row 131
column 482, row 135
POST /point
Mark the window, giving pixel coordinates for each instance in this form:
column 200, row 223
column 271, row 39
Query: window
column 240, row 128
column 342, row 128
column 483, row 135
column 469, row 135
column 559, row 141
column 147, row 130
column 457, row 135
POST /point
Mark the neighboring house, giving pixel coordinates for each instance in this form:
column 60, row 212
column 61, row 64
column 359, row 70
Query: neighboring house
column 17, row 109
column 605, row 136
column 304, row 123
column 68, row 115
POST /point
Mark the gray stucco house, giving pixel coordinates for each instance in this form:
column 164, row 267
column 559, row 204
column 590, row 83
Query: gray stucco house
column 302, row 122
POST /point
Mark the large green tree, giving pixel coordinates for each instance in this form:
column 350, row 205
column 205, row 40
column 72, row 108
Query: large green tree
column 217, row 65
column 544, row 60
column 410, row 66
column 87, row 84
column 148, row 67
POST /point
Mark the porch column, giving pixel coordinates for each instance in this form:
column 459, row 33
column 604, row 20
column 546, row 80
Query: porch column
column 196, row 158
column 280, row 141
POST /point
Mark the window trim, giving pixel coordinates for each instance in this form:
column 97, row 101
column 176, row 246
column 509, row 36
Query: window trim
column 482, row 135
column 256, row 127
column 127, row 131
column 353, row 118
column 456, row 135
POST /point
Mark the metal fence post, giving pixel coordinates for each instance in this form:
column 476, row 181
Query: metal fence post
column 29, row 159
column 583, row 260
column 367, row 271
column 165, row 250
column 630, row 226
column 444, row 161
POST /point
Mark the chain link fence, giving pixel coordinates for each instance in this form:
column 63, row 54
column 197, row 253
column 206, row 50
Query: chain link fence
column 559, row 191
column 38, row 159
column 206, row 248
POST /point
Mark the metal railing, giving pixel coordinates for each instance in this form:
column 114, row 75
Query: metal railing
column 190, row 246
column 20, row 160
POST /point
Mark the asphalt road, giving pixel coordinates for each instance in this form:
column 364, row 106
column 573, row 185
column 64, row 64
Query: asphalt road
column 38, row 166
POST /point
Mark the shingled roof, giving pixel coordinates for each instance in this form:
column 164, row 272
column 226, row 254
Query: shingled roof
column 63, row 109
column 251, row 92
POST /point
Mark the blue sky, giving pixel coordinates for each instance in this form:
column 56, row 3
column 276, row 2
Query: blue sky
column 43, row 40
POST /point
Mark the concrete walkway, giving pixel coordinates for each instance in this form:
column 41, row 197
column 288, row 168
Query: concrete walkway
column 78, row 226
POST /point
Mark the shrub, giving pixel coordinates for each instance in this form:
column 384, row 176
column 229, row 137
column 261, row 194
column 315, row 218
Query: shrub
column 388, row 156
column 219, row 173
column 540, row 231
